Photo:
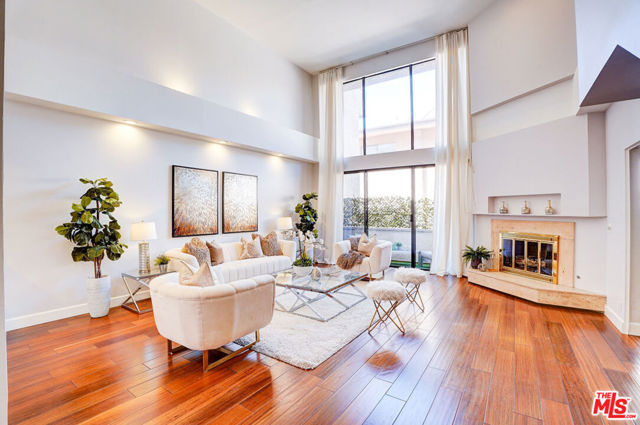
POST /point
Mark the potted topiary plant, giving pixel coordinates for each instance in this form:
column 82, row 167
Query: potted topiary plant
column 94, row 232
column 303, row 264
column 161, row 262
column 308, row 214
column 475, row 256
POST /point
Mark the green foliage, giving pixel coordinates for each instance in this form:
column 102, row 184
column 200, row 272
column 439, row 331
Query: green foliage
column 92, row 238
column 303, row 261
column 389, row 212
column 475, row 255
column 162, row 259
column 308, row 214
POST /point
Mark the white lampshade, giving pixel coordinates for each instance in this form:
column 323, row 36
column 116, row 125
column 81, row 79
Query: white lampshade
column 284, row 223
column 143, row 231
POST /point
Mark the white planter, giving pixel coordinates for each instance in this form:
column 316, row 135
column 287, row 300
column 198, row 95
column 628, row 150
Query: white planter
column 302, row 271
column 99, row 296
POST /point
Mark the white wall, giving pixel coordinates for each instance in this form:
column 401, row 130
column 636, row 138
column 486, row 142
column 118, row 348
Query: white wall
column 46, row 151
column 528, row 141
column 174, row 43
column 622, row 132
column 600, row 26
column 517, row 46
column 634, row 234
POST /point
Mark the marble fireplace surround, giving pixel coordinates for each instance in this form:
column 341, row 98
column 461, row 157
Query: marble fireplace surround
column 563, row 294
column 566, row 244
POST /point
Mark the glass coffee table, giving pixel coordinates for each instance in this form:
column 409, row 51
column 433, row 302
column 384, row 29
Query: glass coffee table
column 336, row 287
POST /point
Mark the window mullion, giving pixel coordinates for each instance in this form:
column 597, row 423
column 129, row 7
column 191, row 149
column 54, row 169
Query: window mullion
column 411, row 101
column 364, row 120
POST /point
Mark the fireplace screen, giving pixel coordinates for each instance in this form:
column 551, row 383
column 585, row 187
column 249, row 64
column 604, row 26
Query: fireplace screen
column 530, row 254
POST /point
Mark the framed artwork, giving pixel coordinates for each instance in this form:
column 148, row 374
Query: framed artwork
column 194, row 201
column 239, row 203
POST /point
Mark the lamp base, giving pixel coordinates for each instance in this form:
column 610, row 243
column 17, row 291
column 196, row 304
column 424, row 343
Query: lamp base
column 144, row 263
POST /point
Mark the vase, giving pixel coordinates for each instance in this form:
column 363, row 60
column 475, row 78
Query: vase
column 302, row 271
column 549, row 210
column 503, row 209
column 163, row 268
column 316, row 273
column 99, row 296
column 475, row 263
column 525, row 208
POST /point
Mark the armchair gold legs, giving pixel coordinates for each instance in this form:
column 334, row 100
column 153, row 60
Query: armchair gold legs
column 207, row 363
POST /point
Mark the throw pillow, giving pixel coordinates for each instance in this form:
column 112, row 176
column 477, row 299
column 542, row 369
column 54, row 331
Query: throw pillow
column 366, row 244
column 215, row 252
column 269, row 244
column 198, row 249
column 202, row 277
column 250, row 249
column 354, row 240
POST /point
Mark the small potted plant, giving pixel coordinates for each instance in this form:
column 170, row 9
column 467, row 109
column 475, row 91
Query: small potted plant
column 161, row 262
column 303, row 265
column 475, row 256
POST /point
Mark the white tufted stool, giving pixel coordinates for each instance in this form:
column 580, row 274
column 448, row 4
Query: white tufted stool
column 412, row 279
column 385, row 291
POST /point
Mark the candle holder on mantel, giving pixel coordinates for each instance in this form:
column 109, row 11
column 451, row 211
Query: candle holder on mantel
column 503, row 209
column 549, row 210
column 525, row 208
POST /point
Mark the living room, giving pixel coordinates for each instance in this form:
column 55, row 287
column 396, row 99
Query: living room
column 320, row 212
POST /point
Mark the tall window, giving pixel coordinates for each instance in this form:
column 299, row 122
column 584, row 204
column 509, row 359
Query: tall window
column 391, row 111
column 397, row 206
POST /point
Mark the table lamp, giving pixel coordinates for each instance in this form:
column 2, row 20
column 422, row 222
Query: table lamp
column 143, row 232
column 284, row 225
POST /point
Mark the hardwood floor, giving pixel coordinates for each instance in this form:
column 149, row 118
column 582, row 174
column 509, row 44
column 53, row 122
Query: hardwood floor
column 474, row 356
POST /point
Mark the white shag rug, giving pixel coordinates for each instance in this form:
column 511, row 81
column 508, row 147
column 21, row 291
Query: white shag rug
column 306, row 343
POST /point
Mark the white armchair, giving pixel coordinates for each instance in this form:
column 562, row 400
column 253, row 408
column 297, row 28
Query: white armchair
column 378, row 262
column 207, row 318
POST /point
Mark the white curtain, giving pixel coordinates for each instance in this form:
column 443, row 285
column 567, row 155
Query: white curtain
column 452, row 216
column 330, row 157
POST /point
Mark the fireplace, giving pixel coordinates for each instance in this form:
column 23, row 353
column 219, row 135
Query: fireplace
column 530, row 254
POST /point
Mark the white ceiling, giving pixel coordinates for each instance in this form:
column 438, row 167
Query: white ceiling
column 319, row 34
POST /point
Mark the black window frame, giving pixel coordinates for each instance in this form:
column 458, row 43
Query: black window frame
column 364, row 98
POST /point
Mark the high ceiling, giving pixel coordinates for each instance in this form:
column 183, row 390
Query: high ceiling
column 319, row 34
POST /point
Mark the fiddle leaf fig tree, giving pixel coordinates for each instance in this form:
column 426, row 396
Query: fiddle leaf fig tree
column 93, row 229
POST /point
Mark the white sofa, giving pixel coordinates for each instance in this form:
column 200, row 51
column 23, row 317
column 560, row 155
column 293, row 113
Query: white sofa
column 233, row 268
column 207, row 318
column 378, row 262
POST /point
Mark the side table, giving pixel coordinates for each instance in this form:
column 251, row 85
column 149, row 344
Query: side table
column 142, row 281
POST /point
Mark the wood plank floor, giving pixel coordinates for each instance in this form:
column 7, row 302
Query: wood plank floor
column 475, row 356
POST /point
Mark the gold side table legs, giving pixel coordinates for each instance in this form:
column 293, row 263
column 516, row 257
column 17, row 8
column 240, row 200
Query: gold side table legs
column 385, row 313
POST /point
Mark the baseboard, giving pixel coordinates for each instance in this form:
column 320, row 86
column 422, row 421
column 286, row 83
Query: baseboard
column 62, row 313
column 634, row 328
column 617, row 321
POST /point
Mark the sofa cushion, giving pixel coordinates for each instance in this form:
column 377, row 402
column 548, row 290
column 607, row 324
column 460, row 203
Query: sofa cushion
column 366, row 244
column 198, row 249
column 203, row 277
column 215, row 252
column 251, row 267
column 250, row 249
column 269, row 243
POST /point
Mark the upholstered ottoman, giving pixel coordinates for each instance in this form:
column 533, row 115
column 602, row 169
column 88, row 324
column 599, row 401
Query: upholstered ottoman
column 388, row 292
column 412, row 279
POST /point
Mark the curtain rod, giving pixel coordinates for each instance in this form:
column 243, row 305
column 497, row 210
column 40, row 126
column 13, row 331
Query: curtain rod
column 386, row 52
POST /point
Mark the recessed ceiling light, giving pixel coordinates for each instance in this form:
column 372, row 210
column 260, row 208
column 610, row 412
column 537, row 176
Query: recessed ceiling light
column 130, row 122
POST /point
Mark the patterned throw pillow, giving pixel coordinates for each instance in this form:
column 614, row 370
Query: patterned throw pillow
column 203, row 277
column 198, row 249
column 354, row 240
column 215, row 252
column 366, row 244
column 251, row 248
column 269, row 244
